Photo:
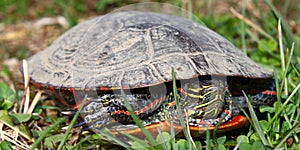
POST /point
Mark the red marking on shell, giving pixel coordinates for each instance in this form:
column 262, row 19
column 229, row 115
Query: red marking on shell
column 71, row 90
column 125, row 87
column 37, row 85
column 144, row 85
column 76, row 106
column 51, row 88
column 103, row 88
column 62, row 101
column 269, row 92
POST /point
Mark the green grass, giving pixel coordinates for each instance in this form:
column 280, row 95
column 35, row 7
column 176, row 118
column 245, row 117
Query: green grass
column 273, row 46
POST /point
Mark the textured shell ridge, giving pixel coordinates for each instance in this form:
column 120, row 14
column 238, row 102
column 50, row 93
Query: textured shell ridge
column 136, row 48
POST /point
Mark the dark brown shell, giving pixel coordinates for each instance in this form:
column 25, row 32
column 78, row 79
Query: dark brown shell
column 138, row 49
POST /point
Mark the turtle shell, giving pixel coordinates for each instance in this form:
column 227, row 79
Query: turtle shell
column 138, row 49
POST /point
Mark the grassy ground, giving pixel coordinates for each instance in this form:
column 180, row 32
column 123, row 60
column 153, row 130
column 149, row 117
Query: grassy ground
column 253, row 26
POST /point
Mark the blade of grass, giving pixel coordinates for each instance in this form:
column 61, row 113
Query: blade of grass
column 210, row 10
column 190, row 9
column 174, row 147
column 179, row 110
column 285, row 75
column 148, row 136
column 79, row 143
column 239, row 143
column 27, row 88
column 288, row 34
column 8, row 137
column 290, row 126
column 250, row 23
column 283, row 140
column 243, row 26
column 255, row 122
column 278, row 88
column 189, row 133
column 207, row 139
column 285, row 7
column 138, row 140
column 46, row 132
column 217, row 126
column 164, row 141
column 62, row 143
column 34, row 101
column 107, row 134
column 263, row 45
column 288, row 65
column 246, row 115
column 282, row 58
column 278, row 112
column 7, row 120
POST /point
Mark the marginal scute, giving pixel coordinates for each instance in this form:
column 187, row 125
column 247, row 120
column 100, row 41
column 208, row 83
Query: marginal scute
column 138, row 49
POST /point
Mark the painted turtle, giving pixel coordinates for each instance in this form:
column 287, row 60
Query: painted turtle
column 136, row 51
